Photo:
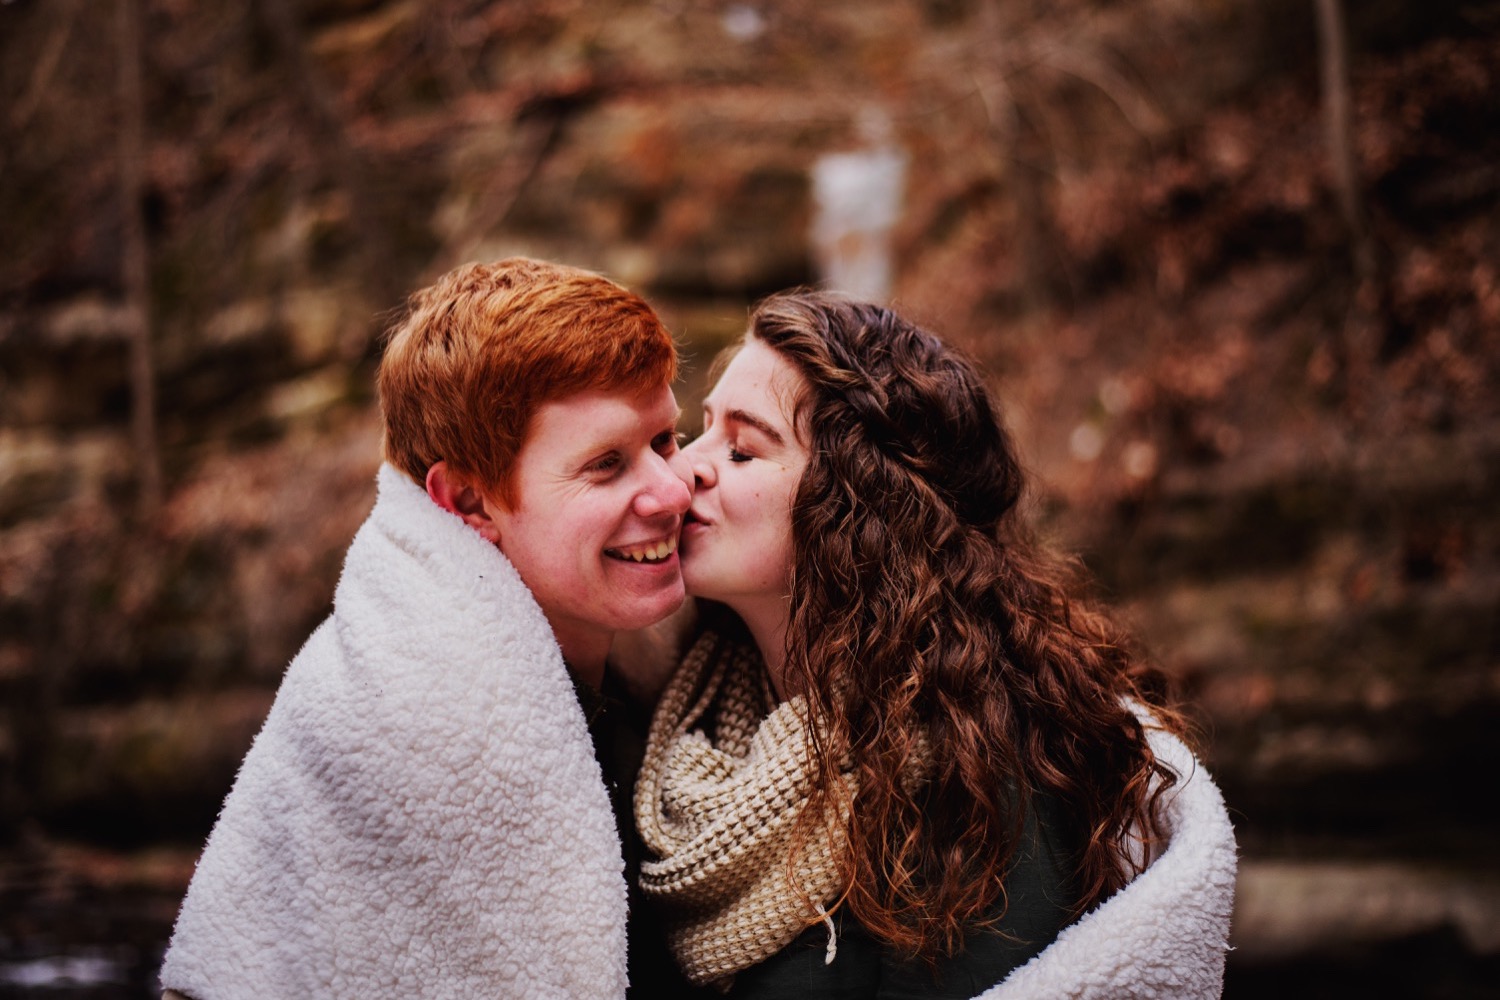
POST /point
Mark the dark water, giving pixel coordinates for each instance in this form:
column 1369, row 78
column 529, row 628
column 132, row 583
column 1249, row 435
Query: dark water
column 1432, row 967
column 74, row 942
column 86, row 923
column 80, row 943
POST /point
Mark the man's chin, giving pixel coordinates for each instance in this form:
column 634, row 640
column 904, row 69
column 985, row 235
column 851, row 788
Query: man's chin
column 646, row 611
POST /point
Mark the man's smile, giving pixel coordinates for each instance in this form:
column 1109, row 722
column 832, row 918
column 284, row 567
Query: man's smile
column 655, row 551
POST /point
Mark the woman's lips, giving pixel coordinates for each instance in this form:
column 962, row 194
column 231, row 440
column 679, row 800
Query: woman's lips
column 693, row 526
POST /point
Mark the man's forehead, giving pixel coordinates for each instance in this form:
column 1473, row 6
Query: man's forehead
column 597, row 416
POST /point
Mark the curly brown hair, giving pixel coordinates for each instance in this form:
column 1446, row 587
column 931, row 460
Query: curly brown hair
column 925, row 620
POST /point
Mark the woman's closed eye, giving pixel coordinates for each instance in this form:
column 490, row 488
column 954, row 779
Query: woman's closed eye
column 735, row 455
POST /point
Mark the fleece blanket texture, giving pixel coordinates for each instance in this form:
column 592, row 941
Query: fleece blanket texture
column 422, row 813
column 1166, row 934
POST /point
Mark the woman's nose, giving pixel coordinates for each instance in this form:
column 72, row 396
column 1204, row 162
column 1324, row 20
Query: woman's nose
column 704, row 473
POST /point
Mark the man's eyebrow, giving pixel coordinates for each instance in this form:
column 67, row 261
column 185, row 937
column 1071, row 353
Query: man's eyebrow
column 588, row 449
column 746, row 417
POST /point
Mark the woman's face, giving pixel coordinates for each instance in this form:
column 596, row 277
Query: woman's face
column 737, row 536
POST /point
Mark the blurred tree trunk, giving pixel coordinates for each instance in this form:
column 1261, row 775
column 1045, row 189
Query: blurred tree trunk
column 1333, row 51
column 1367, row 334
column 132, row 152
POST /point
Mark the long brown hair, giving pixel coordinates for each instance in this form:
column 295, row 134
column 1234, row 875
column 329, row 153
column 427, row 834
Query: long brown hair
column 925, row 623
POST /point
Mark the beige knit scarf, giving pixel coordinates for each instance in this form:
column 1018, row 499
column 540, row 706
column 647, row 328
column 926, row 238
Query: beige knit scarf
column 724, row 779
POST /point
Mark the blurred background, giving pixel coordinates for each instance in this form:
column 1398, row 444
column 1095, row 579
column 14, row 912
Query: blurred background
column 1234, row 266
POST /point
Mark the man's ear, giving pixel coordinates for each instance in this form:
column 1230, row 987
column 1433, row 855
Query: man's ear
column 454, row 493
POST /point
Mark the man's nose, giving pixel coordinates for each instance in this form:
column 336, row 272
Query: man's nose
column 669, row 490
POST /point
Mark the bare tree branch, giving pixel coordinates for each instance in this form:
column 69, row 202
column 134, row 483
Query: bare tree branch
column 443, row 49
column 1094, row 68
column 535, row 138
column 46, row 66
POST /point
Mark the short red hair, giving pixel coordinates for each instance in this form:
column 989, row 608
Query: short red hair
column 483, row 347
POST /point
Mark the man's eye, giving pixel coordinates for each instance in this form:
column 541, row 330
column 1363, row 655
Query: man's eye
column 666, row 442
column 606, row 464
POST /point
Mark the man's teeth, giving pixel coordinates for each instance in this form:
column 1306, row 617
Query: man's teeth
column 644, row 553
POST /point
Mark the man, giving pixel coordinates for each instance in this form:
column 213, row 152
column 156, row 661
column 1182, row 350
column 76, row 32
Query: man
column 423, row 813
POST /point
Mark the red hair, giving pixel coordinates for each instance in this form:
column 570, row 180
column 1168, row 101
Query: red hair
column 483, row 347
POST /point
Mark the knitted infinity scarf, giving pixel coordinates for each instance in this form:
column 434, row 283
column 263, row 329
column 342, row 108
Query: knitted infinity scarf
column 718, row 809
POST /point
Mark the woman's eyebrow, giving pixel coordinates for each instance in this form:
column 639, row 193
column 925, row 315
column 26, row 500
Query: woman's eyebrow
column 746, row 417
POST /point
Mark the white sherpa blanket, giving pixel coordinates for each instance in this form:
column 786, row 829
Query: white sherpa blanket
column 1166, row 934
column 422, row 814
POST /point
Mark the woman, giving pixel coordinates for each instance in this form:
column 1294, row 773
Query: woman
column 901, row 758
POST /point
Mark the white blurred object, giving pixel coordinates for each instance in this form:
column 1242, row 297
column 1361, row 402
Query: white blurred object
column 856, row 204
column 743, row 23
column 1086, row 442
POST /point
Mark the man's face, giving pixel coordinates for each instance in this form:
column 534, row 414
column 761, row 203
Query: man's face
column 600, row 492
